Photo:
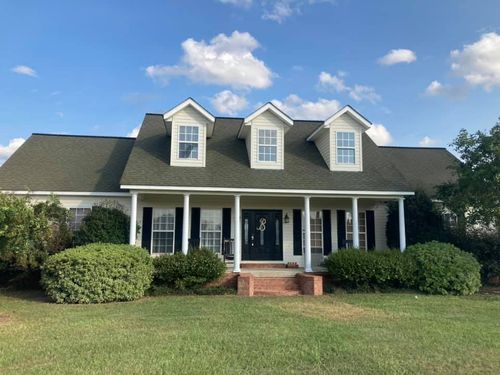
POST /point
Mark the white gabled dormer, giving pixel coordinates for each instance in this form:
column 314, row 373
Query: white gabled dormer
column 189, row 125
column 264, row 135
column 339, row 140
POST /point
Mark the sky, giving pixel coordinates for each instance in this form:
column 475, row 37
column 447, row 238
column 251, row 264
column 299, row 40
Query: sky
column 418, row 70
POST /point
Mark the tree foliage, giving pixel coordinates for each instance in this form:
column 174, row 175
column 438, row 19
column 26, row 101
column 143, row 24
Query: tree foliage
column 106, row 224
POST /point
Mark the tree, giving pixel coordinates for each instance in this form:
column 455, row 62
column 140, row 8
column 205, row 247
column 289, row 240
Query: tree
column 105, row 224
column 475, row 195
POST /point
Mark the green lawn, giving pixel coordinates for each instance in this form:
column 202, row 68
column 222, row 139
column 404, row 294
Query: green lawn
column 355, row 333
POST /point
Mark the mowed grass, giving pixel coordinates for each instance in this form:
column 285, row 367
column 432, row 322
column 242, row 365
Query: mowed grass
column 346, row 333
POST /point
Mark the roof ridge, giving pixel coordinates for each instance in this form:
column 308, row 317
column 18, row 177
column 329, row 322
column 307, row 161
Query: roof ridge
column 81, row 136
column 416, row 147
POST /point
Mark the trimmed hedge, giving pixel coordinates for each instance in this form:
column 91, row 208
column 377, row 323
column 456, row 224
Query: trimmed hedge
column 359, row 269
column 190, row 271
column 104, row 225
column 444, row 269
column 97, row 273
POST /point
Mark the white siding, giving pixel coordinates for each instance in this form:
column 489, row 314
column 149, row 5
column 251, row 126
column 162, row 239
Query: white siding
column 322, row 142
column 348, row 124
column 188, row 116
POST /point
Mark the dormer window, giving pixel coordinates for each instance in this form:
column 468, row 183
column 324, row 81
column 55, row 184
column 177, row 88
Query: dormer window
column 188, row 142
column 346, row 150
column 268, row 145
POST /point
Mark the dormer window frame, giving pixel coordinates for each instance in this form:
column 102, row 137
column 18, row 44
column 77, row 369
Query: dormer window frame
column 188, row 141
column 345, row 145
column 265, row 134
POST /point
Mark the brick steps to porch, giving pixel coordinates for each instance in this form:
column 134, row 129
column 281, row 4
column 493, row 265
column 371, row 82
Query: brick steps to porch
column 283, row 285
column 276, row 286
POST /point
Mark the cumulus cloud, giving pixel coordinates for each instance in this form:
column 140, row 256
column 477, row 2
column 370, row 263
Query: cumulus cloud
column 7, row 151
column 398, row 56
column 225, row 60
column 428, row 142
column 134, row 132
column 279, row 10
column 479, row 63
column 24, row 70
column 380, row 135
column 357, row 92
column 436, row 88
column 229, row 103
column 298, row 108
column 238, row 3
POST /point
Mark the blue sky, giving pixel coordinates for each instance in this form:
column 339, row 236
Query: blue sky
column 95, row 67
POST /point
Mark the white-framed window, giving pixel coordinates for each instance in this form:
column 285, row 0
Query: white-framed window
column 211, row 229
column 76, row 217
column 188, row 142
column 346, row 148
column 362, row 228
column 268, row 145
column 163, row 231
column 316, row 232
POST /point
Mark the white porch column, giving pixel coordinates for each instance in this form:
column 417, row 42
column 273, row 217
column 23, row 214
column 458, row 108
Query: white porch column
column 307, row 228
column 402, row 229
column 133, row 220
column 237, row 234
column 185, row 225
column 355, row 223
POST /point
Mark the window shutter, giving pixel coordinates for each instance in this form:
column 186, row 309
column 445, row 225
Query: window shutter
column 226, row 223
column 147, row 224
column 195, row 227
column 297, row 232
column 370, row 230
column 327, row 232
column 341, row 234
column 179, row 211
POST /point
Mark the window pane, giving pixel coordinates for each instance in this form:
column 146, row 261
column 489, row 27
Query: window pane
column 77, row 215
column 362, row 228
column 211, row 229
column 316, row 220
column 345, row 148
column 268, row 140
column 188, row 142
column 163, row 231
column 188, row 150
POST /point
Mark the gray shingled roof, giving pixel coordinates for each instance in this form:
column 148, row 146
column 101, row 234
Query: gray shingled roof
column 423, row 167
column 67, row 163
column 227, row 163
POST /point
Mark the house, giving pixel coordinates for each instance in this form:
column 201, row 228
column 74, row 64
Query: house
column 276, row 190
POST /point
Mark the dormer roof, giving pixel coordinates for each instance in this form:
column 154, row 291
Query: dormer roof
column 266, row 107
column 190, row 102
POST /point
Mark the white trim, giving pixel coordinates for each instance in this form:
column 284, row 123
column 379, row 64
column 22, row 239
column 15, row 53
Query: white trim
column 66, row 193
column 347, row 109
column 349, row 193
column 266, row 107
column 184, row 104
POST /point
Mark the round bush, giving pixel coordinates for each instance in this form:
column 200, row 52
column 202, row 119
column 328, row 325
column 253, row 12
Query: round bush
column 442, row 268
column 190, row 271
column 97, row 273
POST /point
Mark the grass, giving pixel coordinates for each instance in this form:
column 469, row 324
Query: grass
column 346, row 333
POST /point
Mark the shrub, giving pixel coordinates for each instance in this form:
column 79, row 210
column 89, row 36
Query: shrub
column 190, row 271
column 442, row 268
column 104, row 224
column 97, row 273
column 358, row 269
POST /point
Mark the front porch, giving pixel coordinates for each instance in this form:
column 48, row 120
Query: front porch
column 261, row 229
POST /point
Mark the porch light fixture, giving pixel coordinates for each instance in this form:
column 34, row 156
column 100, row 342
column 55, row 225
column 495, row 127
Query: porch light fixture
column 287, row 219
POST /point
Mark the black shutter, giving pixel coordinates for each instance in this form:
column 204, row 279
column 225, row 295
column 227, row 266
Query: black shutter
column 147, row 223
column 226, row 223
column 327, row 232
column 341, row 229
column 195, row 227
column 297, row 232
column 179, row 211
column 370, row 230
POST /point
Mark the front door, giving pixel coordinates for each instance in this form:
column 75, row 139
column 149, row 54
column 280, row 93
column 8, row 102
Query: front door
column 262, row 235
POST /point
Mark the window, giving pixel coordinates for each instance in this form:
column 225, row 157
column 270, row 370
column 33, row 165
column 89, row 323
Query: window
column 211, row 229
column 345, row 148
column 163, row 231
column 188, row 142
column 316, row 232
column 77, row 215
column 268, row 149
column 362, row 228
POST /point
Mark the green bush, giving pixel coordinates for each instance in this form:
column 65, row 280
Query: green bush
column 381, row 269
column 442, row 268
column 190, row 271
column 104, row 224
column 97, row 273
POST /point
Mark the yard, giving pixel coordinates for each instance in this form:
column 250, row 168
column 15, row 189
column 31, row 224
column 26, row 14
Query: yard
column 343, row 333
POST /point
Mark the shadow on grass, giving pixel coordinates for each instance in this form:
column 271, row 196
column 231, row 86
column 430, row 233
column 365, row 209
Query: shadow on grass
column 31, row 295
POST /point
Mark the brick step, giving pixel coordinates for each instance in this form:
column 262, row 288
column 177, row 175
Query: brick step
column 275, row 286
column 258, row 292
column 251, row 285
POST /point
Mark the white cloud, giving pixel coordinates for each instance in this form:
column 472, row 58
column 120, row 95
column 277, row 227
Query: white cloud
column 479, row 63
column 356, row 92
column 225, row 60
column 398, row 56
column 238, row 3
column 436, row 88
column 229, row 103
column 7, row 151
column 298, row 108
column 380, row 135
column 24, row 70
column 278, row 11
column 135, row 131
column 428, row 142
